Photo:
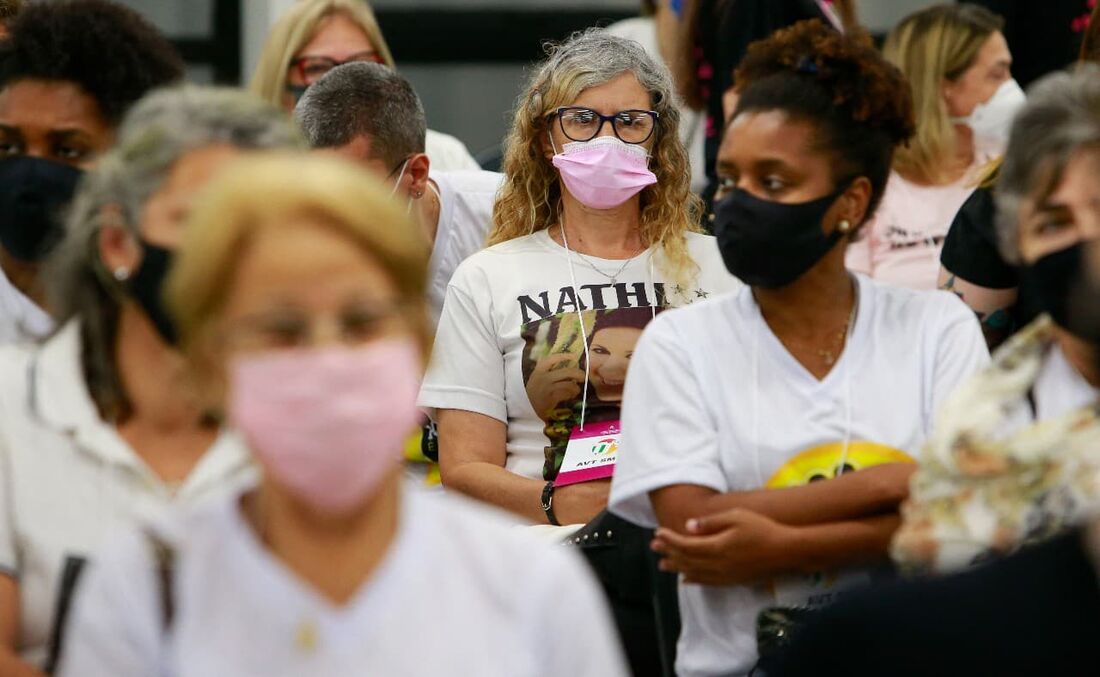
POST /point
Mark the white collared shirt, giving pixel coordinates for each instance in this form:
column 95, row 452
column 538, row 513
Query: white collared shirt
column 466, row 202
column 67, row 479
column 460, row 591
column 20, row 318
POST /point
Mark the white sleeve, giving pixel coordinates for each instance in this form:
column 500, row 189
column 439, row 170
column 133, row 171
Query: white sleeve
column 116, row 625
column 960, row 350
column 668, row 435
column 467, row 366
column 448, row 154
column 9, row 553
column 575, row 629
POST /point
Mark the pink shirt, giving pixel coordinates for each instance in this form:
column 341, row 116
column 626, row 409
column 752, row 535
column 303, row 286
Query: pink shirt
column 901, row 243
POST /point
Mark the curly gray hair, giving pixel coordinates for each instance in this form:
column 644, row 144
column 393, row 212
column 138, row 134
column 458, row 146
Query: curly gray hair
column 155, row 134
column 1062, row 116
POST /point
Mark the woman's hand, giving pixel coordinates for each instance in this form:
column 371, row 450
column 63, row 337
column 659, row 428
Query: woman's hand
column 733, row 547
column 555, row 379
column 579, row 503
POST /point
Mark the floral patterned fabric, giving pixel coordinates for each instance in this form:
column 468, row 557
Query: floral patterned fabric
column 992, row 480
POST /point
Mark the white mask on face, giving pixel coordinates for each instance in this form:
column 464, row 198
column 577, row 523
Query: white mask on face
column 991, row 121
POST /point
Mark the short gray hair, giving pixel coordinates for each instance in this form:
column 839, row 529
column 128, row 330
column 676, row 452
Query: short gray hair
column 358, row 99
column 1062, row 116
column 154, row 135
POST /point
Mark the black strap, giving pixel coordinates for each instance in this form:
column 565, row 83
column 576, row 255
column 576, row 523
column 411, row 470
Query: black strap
column 70, row 576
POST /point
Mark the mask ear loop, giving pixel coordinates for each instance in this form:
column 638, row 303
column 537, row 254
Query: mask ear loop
column 652, row 286
column 848, row 380
column 397, row 184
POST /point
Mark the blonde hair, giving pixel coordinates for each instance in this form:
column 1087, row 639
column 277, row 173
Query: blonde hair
column 295, row 29
column 931, row 47
column 530, row 199
column 263, row 193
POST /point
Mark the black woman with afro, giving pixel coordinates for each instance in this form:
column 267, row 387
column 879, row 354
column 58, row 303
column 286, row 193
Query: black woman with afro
column 68, row 73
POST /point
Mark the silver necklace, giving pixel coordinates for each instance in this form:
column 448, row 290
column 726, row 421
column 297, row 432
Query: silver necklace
column 584, row 259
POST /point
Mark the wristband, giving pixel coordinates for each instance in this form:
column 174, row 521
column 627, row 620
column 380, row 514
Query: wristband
column 548, row 503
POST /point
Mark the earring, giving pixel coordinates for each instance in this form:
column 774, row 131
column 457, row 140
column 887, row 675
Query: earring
column 844, row 226
column 121, row 274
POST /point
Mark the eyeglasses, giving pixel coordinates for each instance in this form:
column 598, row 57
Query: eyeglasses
column 288, row 328
column 584, row 124
column 312, row 68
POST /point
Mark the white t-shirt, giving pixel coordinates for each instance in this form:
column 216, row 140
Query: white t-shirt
column 67, row 479
column 1059, row 388
column 901, row 243
column 448, row 154
column 509, row 342
column 465, row 216
column 21, row 319
column 460, row 592
column 714, row 399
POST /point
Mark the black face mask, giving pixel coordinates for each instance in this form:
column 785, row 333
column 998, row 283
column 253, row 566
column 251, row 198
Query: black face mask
column 1084, row 299
column 147, row 288
column 33, row 195
column 1051, row 280
column 771, row 244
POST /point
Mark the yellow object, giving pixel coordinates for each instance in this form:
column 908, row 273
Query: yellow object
column 820, row 463
column 414, row 455
column 306, row 638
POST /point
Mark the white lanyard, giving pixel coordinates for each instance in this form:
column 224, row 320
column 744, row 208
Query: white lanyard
column 852, row 318
column 580, row 315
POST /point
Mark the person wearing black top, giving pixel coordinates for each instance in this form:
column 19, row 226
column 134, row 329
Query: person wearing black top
column 972, row 267
column 1035, row 613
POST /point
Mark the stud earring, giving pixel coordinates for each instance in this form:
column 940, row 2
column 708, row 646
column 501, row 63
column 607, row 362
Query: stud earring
column 844, row 226
column 121, row 274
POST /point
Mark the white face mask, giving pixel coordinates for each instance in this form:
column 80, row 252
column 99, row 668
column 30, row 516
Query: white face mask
column 991, row 121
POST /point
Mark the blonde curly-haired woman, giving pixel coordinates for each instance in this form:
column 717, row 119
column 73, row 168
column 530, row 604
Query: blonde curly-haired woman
column 595, row 218
column 594, row 234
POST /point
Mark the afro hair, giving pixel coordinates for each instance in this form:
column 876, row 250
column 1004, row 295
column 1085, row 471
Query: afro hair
column 110, row 51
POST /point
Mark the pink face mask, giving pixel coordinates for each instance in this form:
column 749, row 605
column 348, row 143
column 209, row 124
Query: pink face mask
column 604, row 172
column 328, row 423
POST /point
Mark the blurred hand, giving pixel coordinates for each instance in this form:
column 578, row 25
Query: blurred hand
column 733, row 547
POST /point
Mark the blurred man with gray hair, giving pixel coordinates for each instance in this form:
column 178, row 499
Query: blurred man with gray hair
column 371, row 115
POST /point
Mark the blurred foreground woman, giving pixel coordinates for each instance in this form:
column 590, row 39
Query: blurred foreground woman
column 97, row 426
column 299, row 293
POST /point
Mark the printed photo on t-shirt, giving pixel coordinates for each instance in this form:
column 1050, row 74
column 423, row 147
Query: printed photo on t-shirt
column 554, row 370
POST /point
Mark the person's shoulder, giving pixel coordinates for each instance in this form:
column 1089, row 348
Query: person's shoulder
column 703, row 320
column 905, row 308
column 467, row 181
column 700, row 241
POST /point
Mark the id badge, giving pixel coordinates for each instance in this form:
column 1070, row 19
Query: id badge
column 590, row 453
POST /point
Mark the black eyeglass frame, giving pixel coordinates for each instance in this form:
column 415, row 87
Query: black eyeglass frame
column 604, row 119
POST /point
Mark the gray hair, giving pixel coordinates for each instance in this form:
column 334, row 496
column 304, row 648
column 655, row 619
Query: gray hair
column 358, row 99
column 1062, row 116
column 595, row 57
column 159, row 130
